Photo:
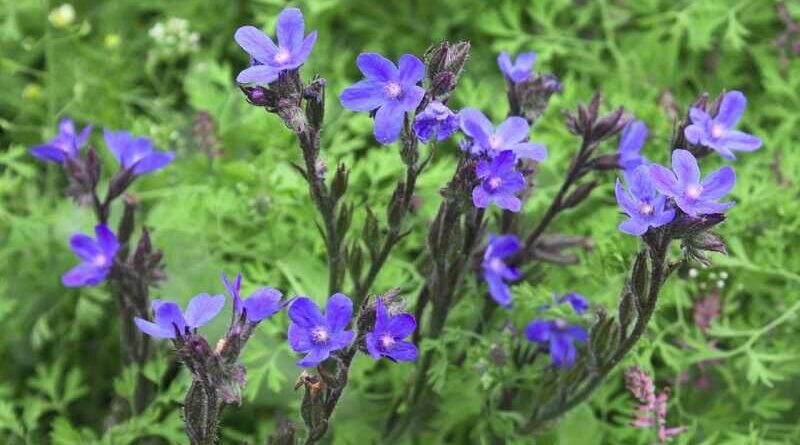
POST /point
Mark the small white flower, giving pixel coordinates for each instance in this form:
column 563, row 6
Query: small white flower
column 62, row 16
column 720, row 284
column 693, row 273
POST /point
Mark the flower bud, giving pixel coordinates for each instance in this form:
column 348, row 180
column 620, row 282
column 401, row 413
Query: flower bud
column 339, row 184
column 314, row 95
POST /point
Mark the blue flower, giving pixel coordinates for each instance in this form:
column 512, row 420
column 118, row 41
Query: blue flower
column 268, row 60
column 560, row 337
column 317, row 335
column 495, row 271
column 389, row 90
column 67, row 144
column 386, row 338
column 170, row 321
column 499, row 183
column 436, row 120
column 136, row 153
column 691, row 194
column 718, row 133
column 630, row 145
column 645, row 206
column 518, row 71
column 97, row 255
column 511, row 134
column 261, row 304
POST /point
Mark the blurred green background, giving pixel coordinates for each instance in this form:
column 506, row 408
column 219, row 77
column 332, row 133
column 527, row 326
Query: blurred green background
column 232, row 202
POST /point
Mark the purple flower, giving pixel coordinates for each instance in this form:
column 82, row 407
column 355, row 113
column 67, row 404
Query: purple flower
column 386, row 339
column 630, row 145
column 318, row 335
column 495, row 271
column 261, row 304
column 97, row 255
column 642, row 202
column 559, row 336
column 519, row 70
column 718, row 133
column 170, row 320
column 578, row 302
column 136, row 153
column 269, row 60
column 499, row 182
column 389, row 89
column 512, row 135
column 67, row 144
column 693, row 196
column 436, row 120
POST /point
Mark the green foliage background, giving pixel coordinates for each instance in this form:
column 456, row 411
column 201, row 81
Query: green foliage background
column 248, row 210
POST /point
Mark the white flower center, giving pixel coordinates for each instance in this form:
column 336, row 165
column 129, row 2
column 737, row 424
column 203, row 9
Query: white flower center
column 100, row 260
column 693, row 191
column 495, row 183
column 497, row 265
column 387, row 341
column 319, row 335
column 392, row 89
column 282, row 56
column 495, row 142
column 646, row 209
column 717, row 130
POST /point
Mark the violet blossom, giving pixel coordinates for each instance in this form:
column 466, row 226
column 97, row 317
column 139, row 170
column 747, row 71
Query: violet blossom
column 263, row 303
column 691, row 194
column 136, row 153
column 170, row 321
column 316, row 335
column 97, row 255
column 518, row 71
column 560, row 338
column 388, row 90
column 644, row 205
column 495, row 271
column 435, row 120
column 66, row 144
column 578, row 302
column 719, row 133
column 386, row 339
column 269, row 60
column 511, row 134
column 499, row 183
column 630, row 145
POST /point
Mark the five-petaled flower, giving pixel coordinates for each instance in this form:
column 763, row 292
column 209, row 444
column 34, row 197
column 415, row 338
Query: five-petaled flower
column 268, row 60
column 718, row 133
column 511, row 134
column 519, row 70
column 495, row 271
column 389, row 89
column 683, row 184
column 67, row 144
column 436, row 120
column 499, row 183
column 171, row 322
column 136, row 153
column 559, row 336
column 97, row 255
column 318, row 335
column 630, row 145
column 263, row 303
column 645, row 206
column 386, row 339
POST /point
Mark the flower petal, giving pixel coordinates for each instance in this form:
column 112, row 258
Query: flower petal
column 634, row 226
column 314, row 358
column 388, row 122
column 372, row 346
column 106, row 240
column 718, row 183
column 562, row 352
column 480, row 198
column 338, row 312
column 260, row 74
column 381, row 316
column 624, row 199
column 255, row 43
column 685, row 166
column 699, row 117
column 507, row 201
column 731, row 108
column 233, row 289
column 85, row 247
column 301, row 54
column 694, row 133
column 168, row 315
column 498, row 290
column 154, row 161
column 529, row 150
column 84, row 274
column 504, row 62
column 476, row 125
column 262, row 303
column 341, row 340
column 376, row 67
column 49, row 153
column 153, row 329
column 411, row 98
column 202, row 309
column 402, row 325
column 290, row 29
column 411, row 70
column 364, row 95
column 502, row 246
column 513, row 130
column 664, row 180
column 299, row 338
column 539, row 331
column 305, row 313
column 633, row 137
column 740, row 141
column 403, row 352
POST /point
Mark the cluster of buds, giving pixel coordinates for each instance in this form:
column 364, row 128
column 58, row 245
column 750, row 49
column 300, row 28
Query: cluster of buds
column 529, row 98
column 588, row 124
column 445, row 63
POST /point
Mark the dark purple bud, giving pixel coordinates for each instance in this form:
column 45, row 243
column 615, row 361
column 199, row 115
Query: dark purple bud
column 698, row 243
column 339, row 184
column 639, row 280
column 396, row 208
column 314, row 95
column 126, row 224
column 498, row 355
column 93, row 167
column 608, row 161
column 529, row 99
column 292, row 115
column 355, row 261
column 579, row 194
column 445, row 62
column 609, row 125
column 685, row 226
column 260, row 97
column 122, row 179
